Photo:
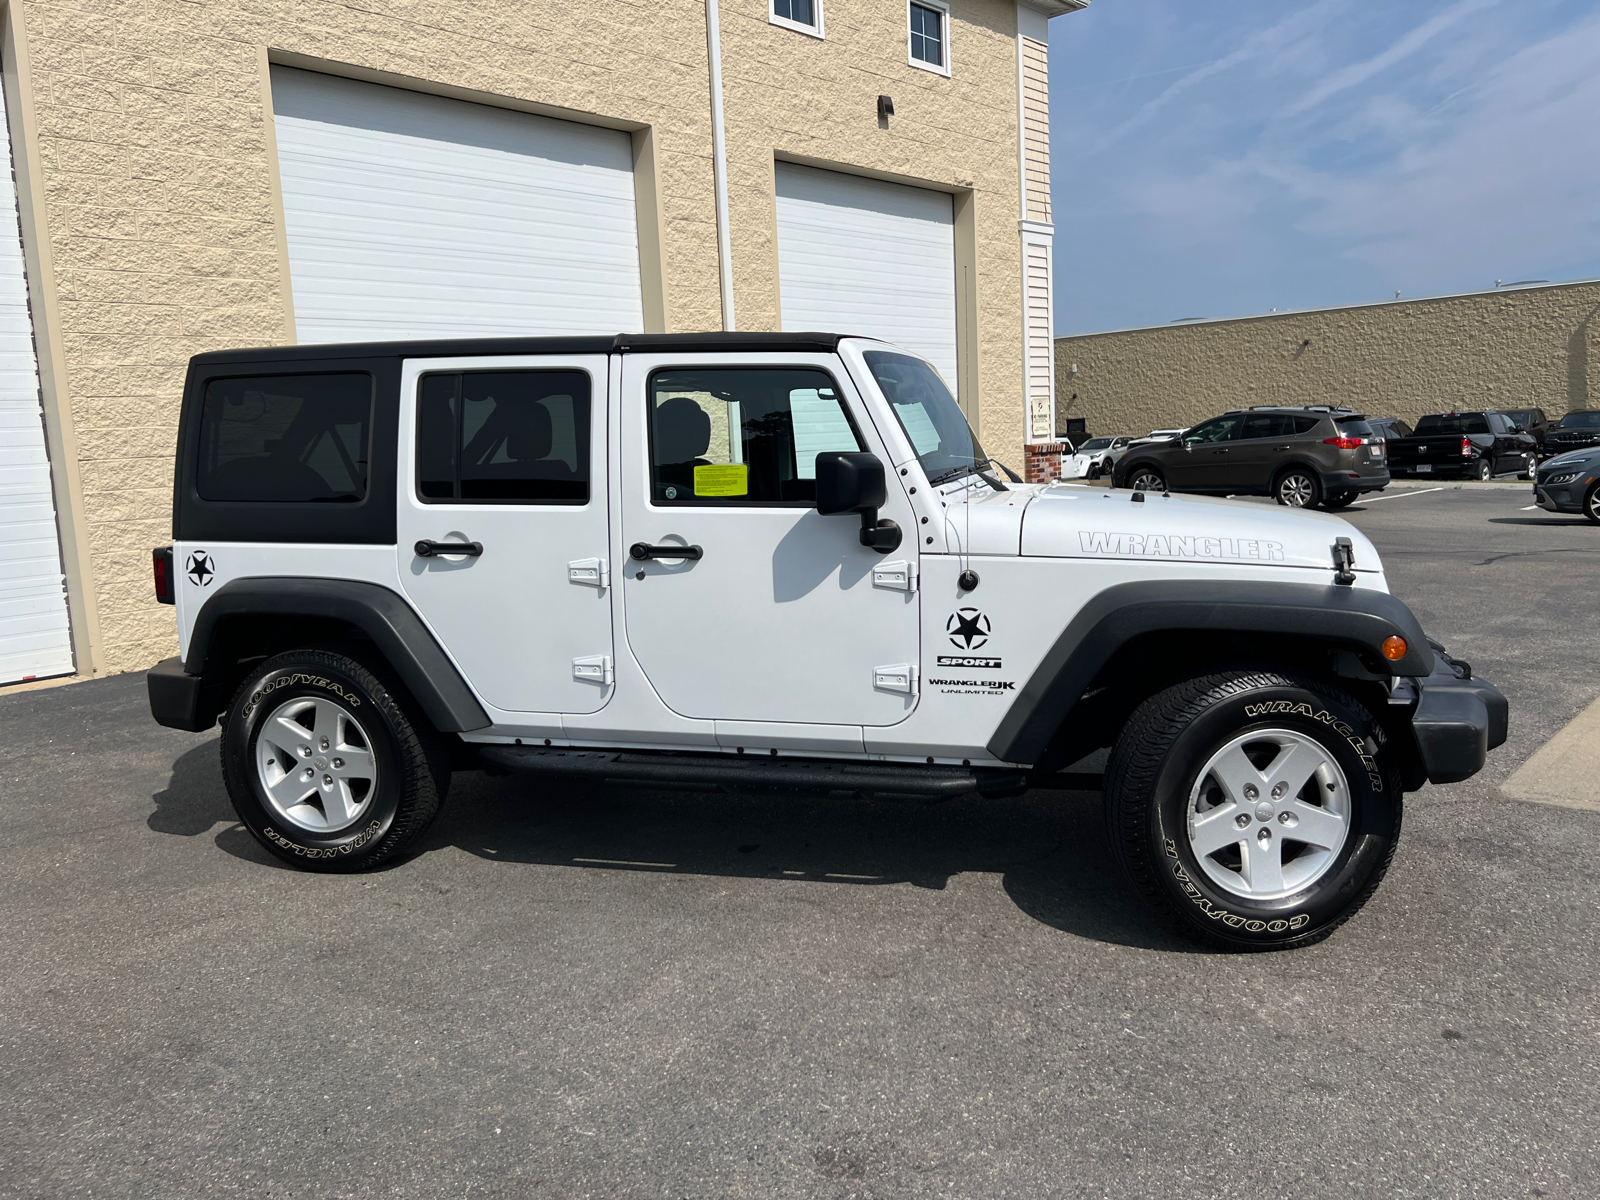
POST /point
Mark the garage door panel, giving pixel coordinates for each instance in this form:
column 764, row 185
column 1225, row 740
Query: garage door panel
column 868, row 257
column 35, row 637
column 411, row 215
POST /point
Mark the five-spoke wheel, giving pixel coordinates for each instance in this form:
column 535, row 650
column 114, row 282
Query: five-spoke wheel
column 315, row 764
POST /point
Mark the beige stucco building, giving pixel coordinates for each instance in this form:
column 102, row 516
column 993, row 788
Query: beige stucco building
column 170, row 200
column 1518, row 347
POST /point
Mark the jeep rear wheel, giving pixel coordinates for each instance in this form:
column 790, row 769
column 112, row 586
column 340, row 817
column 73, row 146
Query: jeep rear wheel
column 1253, row 811
column 1297, row 488
column 326, row 767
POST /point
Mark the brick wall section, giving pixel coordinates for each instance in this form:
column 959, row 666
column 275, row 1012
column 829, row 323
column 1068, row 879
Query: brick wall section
column 1042, row 461
column 1505, row 349
column 152, row 132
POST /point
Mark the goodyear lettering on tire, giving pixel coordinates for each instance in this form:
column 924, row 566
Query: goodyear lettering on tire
column 284, row 681
column 1231, row 919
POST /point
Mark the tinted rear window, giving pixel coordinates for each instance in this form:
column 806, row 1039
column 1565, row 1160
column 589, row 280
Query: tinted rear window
column 496, row 437
column 1355, row 427
column 1460, row 423
column 294, row 439
column 1581, row 420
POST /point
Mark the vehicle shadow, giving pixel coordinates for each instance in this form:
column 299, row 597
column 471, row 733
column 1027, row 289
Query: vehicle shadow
column 1049, row 847
column 1547, row 521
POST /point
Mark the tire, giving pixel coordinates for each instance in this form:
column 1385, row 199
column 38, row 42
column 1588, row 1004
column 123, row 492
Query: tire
column 1340, row 499
column 1591, row 504
column 1297, row 488
column 1531, row 469
column 1146, row 479
column 1093, row 472
column 1159, row 781
column 354, row 810
column 1484, row 470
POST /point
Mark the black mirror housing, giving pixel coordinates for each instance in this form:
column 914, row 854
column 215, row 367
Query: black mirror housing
column 850, row 481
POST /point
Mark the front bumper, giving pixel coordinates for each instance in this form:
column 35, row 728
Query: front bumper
column 1457, row 720
column 1563, row 497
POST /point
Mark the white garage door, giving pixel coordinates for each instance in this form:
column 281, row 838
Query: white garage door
column 416, row 216
column 35, row 640
column 863, row 256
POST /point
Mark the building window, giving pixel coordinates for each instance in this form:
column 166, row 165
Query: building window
column 930, row 35
column 803, row 16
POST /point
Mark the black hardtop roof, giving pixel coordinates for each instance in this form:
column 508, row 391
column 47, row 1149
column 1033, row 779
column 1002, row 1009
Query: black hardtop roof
column 621, row 343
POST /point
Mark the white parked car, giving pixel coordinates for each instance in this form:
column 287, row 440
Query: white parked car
column 730, row 561
column 1157, row 435
column 1096, row 457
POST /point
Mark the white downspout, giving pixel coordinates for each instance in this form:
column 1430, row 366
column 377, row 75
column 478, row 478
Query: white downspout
column 719, row 164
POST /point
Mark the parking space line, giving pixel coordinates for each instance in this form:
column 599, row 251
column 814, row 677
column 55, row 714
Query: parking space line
column 1530, row 508
column 1401, row 495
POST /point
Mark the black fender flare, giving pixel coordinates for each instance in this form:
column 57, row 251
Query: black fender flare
column 1357, row 619
column 380, row 613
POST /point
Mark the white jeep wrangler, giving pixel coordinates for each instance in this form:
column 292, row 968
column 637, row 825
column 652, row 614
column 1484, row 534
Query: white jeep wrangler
column 773, row 560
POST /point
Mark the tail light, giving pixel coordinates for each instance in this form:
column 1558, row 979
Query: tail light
column 1344, row 442
column 161, row 558
column 1467, row 448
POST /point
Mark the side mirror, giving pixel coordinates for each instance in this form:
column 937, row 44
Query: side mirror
column 853, row 482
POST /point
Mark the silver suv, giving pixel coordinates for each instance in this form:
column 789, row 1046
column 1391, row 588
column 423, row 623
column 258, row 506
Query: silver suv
column 1302, row 457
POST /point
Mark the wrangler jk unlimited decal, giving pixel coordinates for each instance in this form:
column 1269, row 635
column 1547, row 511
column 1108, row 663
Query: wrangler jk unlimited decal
column 1301, row 709
column 1248, row 924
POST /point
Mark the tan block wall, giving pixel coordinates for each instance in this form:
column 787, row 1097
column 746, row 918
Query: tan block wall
column 151, row 127
column 1509, row 349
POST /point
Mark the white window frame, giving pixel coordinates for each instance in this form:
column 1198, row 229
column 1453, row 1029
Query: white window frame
column 815, row 31
column 943, row 10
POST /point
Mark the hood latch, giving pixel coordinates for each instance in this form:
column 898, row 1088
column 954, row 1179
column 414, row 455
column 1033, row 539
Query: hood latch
column 1344, row 561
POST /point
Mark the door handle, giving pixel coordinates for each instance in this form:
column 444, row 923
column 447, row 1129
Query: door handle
column 644, row 551
column 428, row 549
column 1281, row 447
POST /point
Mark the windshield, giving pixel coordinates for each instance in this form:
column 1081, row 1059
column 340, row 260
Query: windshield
column 1581, row 420
column 933, row 422
column 1454, row 423
column 1095, row 444
column 1522, row 416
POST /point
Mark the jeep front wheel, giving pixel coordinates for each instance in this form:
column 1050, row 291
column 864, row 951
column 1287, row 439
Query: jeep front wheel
column 1254, row 811
column 326, row 767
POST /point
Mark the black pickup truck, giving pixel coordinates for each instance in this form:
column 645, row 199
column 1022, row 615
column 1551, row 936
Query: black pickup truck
column 1477, row 445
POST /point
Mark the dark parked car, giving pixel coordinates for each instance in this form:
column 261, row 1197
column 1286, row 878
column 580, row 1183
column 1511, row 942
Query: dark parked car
column 1389, row 428
column 1531, row 421
column 1300, row 456
column 1575, row 431
column 1570, row 483
column 1476, row 445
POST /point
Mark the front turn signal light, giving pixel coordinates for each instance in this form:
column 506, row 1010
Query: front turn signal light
column 1394, row 648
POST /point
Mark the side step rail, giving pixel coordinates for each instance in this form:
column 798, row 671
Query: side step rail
column 726, row 771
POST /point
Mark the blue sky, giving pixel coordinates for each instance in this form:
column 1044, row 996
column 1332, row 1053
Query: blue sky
column 1213, row 160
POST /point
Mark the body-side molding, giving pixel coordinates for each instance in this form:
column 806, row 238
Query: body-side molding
column 1350, row 618
column 383, row 615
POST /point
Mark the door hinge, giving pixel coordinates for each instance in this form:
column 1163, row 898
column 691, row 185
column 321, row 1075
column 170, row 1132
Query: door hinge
column 591, row 572
column 593, row 668
column 899, row 575
column 899, row 677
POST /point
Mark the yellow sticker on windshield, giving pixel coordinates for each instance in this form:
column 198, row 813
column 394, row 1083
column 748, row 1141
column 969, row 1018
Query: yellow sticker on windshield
column 732, row 480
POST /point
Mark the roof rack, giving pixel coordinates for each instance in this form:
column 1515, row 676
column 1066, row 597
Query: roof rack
column 1327, row 408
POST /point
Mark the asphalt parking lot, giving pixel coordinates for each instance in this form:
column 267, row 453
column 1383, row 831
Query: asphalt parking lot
column 618, row 993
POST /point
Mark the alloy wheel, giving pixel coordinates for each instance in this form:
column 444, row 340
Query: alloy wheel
column 1268, row 814
column 315, row 764
column 1147, row 481
column 1296, row 489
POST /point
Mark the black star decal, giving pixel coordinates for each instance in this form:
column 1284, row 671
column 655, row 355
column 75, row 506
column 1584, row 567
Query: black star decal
column 200, row 569
column 970, row 626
